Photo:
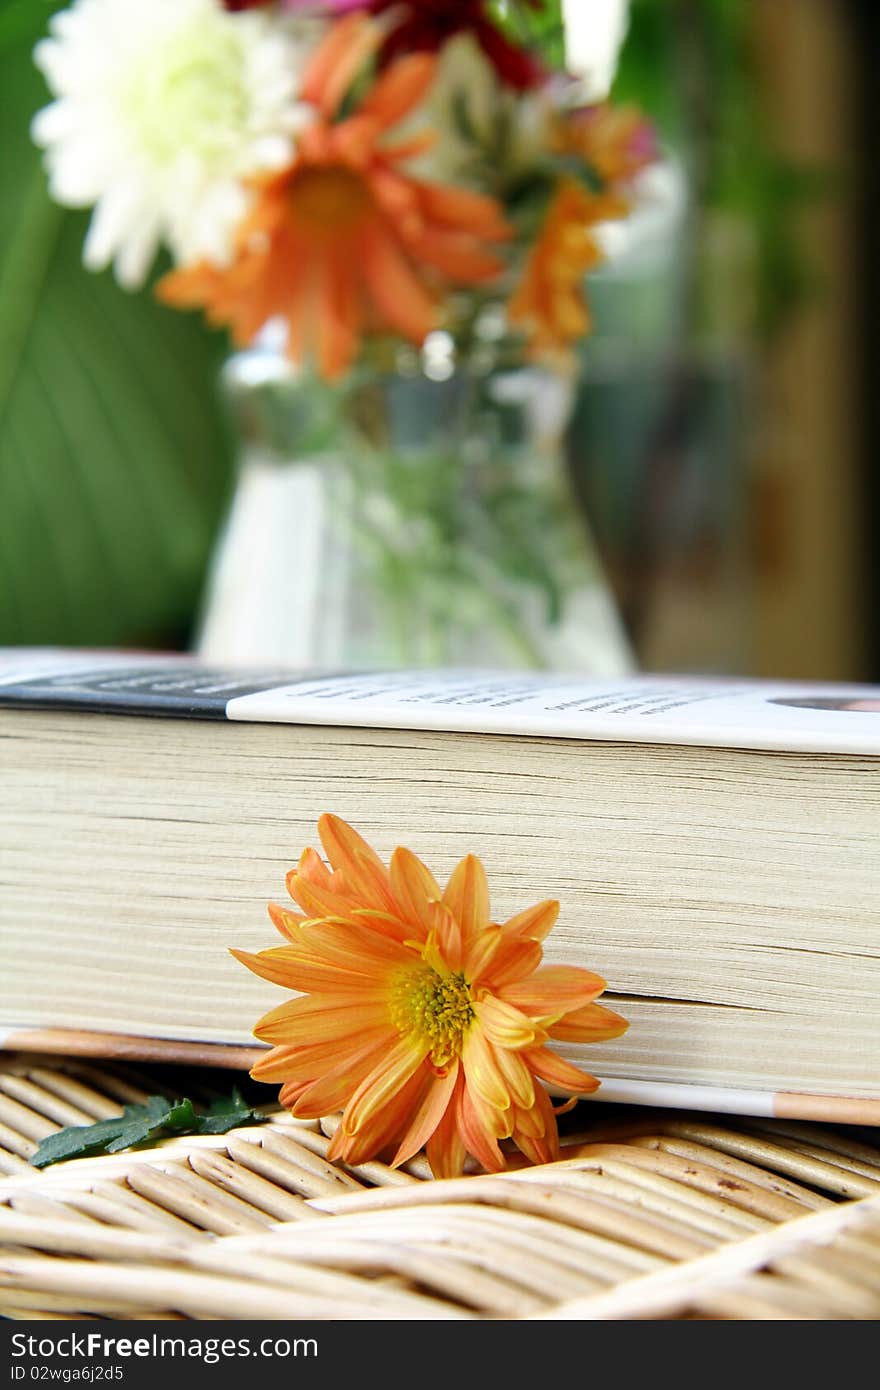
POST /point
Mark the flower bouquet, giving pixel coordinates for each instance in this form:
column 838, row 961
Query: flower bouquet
column 392, row 207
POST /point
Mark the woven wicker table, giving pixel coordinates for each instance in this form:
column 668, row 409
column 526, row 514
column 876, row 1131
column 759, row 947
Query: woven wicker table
column 648, row 1214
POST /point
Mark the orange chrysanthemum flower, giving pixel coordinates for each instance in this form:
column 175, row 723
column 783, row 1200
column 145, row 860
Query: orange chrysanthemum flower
column 345, row 239
column 549, row 303
column 423, row 1020
column 617, row 141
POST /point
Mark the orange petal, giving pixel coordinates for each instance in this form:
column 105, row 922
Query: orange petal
column 514, row 961
column 409, row 149
column 444, row 937
column 189, row 287
column 386, row 923
column 429, row 1115
column 554, row 990
column 354, row 141
column 530, row 1120
column 535, row 1131
column 312, row 868
column 284, row 921
column 348, row 44
column 307, row 1064
column 398, row 198
column 517, row 1077
column 379, row 1088
column 556, row 1071
column 400, row 299
column 535, row 923
column 538, row 1151
column 343, row 846
column 315, row 144
column 318, row 1018
column 334, row 1088
column 363, row 870
column 385, row 1125
column 504, row 1025
column 298, row 315
column 564, row 1107
column 479, row 1140
column 290, row 1093
column 350, row 947
column 414, row 887
column 459, row 258
column 338, row 323
column 495, row 960
column 286, row 966
column 464, row 210
column 483, row 1076
column 592, row 1023
column 481, row 953
column 401, row 87
column 446, row 1148
column 274, row 1065
column 314, row 899
column 467, row 897
column 273, row 965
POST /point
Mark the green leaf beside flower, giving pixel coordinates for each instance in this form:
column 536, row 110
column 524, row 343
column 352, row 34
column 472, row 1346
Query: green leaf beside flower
column 153, row 1119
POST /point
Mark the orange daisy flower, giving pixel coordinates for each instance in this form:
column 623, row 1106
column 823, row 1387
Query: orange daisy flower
column 423, row 1020
column 345, row 239
column 617, row 141
column 549, row 305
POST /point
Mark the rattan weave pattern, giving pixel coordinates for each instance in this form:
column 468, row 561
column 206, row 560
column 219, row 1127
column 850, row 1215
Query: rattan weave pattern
column 648, row 1214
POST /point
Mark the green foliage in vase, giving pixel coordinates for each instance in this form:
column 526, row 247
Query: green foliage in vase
column 442, row 560
column 444, row 498
column 539, row 28
column 114, row 462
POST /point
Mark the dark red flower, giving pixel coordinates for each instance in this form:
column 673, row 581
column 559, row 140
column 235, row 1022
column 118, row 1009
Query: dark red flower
column 426, row 25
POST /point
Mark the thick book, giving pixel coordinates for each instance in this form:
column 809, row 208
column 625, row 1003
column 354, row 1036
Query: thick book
column 715, row 846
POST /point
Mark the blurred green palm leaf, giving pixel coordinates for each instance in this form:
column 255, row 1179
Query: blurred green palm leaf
column 114, row 461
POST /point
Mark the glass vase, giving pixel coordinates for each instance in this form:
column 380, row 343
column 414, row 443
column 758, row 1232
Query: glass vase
column 419, row 514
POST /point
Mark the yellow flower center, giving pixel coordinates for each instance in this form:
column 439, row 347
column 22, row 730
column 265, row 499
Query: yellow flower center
column 438, row 1008
column 329, row 200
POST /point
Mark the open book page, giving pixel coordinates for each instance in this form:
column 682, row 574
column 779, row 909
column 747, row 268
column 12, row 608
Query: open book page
column 801, row 716
column 643, row 709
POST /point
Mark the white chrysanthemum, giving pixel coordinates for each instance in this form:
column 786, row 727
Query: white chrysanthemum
column 163, row 110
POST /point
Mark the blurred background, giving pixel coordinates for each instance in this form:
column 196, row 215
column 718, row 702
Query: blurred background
column 726, row 416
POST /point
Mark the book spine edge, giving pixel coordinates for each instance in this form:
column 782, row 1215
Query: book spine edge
column 780, row 1105
column 120, row 1047
column 837, row 1110
column 783, row 1105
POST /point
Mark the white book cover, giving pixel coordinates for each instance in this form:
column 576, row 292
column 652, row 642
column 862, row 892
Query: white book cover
column 809, row 717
